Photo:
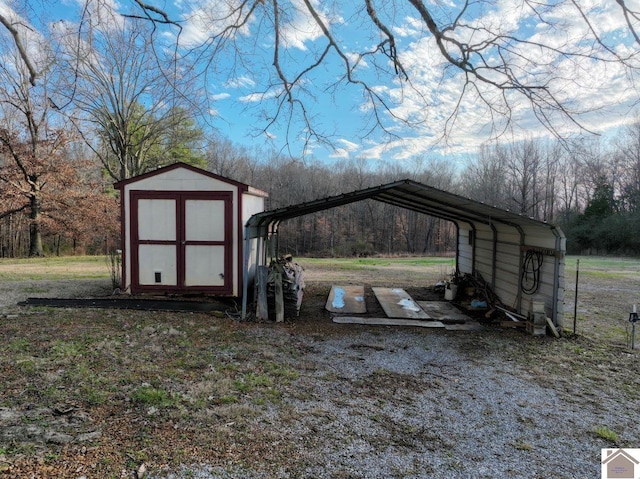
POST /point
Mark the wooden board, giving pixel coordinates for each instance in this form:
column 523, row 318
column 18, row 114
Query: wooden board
column 443, row 311
column 387, row 321
column 397, row 303
column 470, row 326
column 347, row 299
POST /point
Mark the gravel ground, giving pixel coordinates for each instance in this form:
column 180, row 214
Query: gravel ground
column 413, row 404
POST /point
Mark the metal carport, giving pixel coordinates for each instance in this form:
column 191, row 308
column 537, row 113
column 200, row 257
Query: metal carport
column 491, row 241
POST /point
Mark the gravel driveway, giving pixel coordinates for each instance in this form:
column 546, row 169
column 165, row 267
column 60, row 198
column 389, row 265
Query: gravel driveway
column 387, row 403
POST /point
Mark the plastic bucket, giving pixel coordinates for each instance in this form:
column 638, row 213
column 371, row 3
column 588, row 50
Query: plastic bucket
column 450, row 292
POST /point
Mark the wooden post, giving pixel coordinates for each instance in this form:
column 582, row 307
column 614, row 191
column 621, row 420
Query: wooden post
column 262, row 309
column 279, row 298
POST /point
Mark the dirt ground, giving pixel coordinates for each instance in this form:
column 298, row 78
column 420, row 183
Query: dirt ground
column 91, row 393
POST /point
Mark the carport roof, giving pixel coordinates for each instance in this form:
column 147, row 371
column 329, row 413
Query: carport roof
column 407, row 194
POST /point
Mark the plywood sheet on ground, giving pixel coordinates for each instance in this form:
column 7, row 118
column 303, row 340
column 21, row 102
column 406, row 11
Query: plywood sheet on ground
column 347, row 299
column 387, row 321
column 443, row 311
column 397, row 303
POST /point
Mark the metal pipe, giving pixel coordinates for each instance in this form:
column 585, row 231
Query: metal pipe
column 575, row 298
column 245, row 276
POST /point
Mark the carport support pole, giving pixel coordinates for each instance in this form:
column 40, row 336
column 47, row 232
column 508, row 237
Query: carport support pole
column 575, row 299
column 245, row 272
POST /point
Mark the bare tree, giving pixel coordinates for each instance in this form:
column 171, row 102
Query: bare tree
column 485, row 178
column 594, row 165
column 31, row 143
column 627, row 155
column 119, row 94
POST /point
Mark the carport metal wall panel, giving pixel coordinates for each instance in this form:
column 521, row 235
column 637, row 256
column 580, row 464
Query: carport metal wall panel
column 465, row 249
column 508, row 265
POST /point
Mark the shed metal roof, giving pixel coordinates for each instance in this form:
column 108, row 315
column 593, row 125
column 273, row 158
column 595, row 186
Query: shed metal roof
column 407, row 194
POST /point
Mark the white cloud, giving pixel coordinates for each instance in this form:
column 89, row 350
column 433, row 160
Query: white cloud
column 348, row 145
column 220, row 96
column 240, row 82
column 258, row 97
column 298, row 25
column 32, row 41
column 411, row 27
column 104, row 13
column 340, row 153
column 345, row 149
column 593, row 90
column 210, row 18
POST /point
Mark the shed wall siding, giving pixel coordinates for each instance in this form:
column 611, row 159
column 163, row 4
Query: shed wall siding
column 181, row 179
column 251, row 204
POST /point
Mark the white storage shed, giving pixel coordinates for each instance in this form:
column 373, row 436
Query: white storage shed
column 182, row 231
column 520, row 258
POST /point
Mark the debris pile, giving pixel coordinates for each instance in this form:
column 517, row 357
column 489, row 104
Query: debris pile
column 292, row 277
column 475, row 294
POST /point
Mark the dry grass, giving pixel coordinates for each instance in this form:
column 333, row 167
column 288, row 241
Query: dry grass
column 53, row 268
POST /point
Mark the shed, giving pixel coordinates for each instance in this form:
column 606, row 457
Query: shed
column 182, row 231
column 522, row 259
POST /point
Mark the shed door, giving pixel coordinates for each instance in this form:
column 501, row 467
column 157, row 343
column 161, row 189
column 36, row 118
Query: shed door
column 182, row 241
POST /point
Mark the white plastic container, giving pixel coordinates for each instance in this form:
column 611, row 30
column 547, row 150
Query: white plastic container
column 450, row 291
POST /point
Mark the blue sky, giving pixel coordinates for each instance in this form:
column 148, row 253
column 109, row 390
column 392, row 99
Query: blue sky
column 243, row 97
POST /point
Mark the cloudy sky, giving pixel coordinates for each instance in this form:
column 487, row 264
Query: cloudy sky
column 424, row 105
column 434, row 110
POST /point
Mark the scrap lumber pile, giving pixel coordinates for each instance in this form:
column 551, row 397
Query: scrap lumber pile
column 478, row 295
column 285, row 283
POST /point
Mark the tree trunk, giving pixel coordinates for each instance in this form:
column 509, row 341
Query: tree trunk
column 35, row 236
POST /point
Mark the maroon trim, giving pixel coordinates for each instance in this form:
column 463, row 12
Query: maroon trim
column 123, row 243
column 134, row 197
column 227, row 242
column 181, row 197
column 165, row 242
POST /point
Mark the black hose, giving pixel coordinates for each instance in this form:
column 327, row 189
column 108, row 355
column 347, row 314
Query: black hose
column 531, row 271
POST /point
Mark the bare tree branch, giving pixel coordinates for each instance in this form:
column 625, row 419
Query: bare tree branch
column 23, row 54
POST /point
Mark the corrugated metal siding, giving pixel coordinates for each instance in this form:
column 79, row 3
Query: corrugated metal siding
column 465, row 252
